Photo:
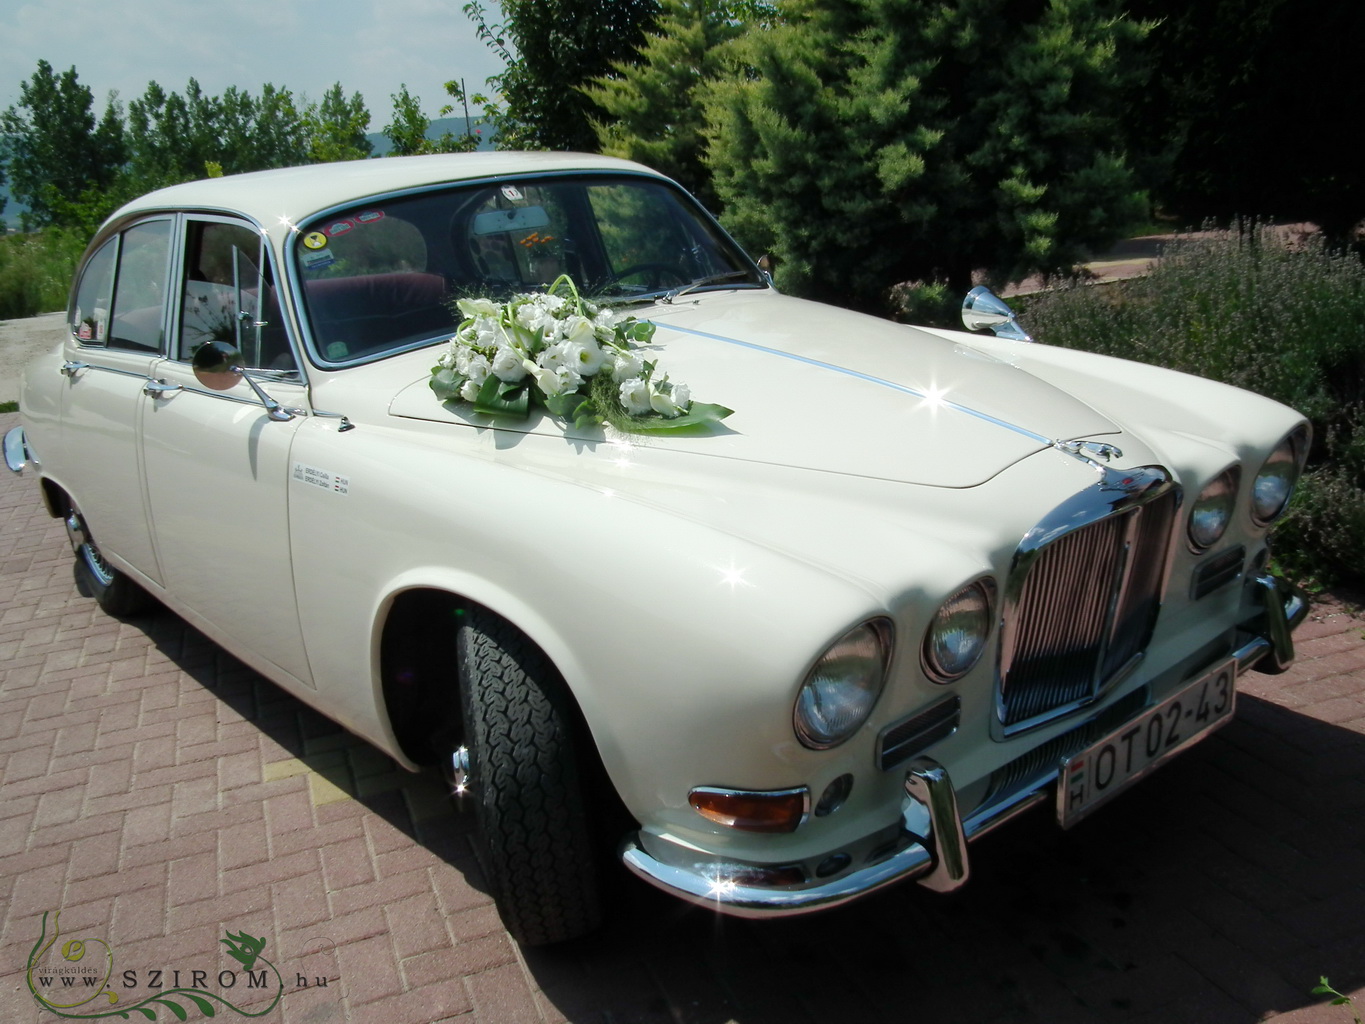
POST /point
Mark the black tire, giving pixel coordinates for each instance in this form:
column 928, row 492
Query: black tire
column 114, row 592
column 521, row 770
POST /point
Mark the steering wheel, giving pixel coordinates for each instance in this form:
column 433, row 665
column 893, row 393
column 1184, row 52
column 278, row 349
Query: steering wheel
column 656, row 269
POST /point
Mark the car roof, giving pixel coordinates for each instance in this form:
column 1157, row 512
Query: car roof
column 299, row 192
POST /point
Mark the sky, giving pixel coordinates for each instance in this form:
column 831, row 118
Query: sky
column 370, row 46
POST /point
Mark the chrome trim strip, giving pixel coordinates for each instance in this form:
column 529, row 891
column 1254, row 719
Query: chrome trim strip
column 880, row 381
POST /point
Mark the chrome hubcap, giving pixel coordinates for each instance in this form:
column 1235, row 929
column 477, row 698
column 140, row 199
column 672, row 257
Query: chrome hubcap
column 459, row 772
column 85, row 549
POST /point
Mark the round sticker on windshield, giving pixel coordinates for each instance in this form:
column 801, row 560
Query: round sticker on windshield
column 315, row 240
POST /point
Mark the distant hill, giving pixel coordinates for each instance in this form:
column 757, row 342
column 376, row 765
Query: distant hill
column 454, row 125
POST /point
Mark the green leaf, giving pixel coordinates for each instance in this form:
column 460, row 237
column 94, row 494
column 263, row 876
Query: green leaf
column 205, row 1007
column 566, row 405
column 175, row 1008
column 497, row 398
column 446, row 383
column 701, row 418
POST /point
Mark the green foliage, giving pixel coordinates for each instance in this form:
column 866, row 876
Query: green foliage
column 337, row 126
column 55, row 150
column 1338, row 999
column 36, row 271
column 652, row 107
column 1254, row 308
column 870, row 142
column 407, row 132
column 1243, row 109
column 551, row 49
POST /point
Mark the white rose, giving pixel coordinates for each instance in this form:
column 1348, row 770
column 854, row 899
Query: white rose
column 626, row 366
column 635, row 396
column 507, row 365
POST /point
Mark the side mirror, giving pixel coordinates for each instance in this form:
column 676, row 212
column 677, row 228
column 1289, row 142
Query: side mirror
column 218, row 366
column 982, row 309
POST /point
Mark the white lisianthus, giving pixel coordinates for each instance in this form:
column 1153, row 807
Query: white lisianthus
column 469, row 391
column 450, row 357
column 475, row 367
column 635, row 396
column 664, row 403
column 626, row 366
column 577, row 328
column 682, row 396
column 588, row 357
column 560, row 355
column 553, row 382
column 507, row 365
column 477, row 307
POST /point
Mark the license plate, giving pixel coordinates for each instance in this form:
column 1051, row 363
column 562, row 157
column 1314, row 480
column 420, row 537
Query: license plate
column 1094, row 776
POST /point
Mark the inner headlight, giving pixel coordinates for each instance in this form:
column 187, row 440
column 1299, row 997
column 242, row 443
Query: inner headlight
column 1274, row 484
column 959, row 632
column 1212, row 510
column 843, row 685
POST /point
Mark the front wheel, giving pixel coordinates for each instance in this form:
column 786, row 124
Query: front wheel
column 114, row 592
column 519, row 763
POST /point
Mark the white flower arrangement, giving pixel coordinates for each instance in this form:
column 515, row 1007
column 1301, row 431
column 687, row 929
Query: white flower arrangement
column 576, row 359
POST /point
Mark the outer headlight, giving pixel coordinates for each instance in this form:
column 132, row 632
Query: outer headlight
column 842, row 687
column 1274, row 484
column 959, row 632
column 1212, row 510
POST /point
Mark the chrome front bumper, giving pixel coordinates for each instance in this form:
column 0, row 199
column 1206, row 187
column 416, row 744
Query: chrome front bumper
column 17, row 455
column 932, row 846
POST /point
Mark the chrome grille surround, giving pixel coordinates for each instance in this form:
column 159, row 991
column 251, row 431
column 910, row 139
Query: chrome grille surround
column 1083, row 594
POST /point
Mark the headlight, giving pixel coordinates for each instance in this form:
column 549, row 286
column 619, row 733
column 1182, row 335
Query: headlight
column 1275, row 482
column 1212, row 510
column 843, row 685
column 959, row 632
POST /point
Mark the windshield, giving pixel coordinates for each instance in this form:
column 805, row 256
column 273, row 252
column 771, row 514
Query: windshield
column 383, row 276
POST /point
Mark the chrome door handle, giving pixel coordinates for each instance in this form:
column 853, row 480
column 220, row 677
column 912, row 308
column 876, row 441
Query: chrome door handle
column 159, row 389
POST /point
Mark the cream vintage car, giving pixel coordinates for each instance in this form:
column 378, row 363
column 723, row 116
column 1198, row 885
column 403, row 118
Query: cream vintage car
column 917, row 582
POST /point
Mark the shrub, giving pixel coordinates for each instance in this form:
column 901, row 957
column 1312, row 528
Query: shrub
column 36, row 271
column 1260, row 308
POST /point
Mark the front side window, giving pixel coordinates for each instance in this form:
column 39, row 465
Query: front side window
column 384, row 276
column 228, row 295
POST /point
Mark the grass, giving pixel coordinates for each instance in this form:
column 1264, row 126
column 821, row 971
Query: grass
column 9, row 407
column 36, row 271
column 1281, row 316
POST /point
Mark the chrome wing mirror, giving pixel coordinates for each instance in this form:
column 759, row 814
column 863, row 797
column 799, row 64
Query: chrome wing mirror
column 218, row 366
column 983, row 310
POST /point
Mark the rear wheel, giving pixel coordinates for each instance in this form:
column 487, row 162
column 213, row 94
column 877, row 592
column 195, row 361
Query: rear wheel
column 519, row 764
column 114, row 592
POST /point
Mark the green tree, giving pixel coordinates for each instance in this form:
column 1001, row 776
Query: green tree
column 652, row 107
column 551, row 49
column 408, row 131
column 57, row 153
column 336, row 127
column 873, row 142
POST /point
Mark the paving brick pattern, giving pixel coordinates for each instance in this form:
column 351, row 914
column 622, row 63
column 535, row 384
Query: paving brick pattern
column 161, row 795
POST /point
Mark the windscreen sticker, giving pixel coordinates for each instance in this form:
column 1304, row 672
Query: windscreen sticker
column 315, row 240
column 339, row 227
column 318, row 260
column 369, row 216
column 322, row 479
column 511, row 193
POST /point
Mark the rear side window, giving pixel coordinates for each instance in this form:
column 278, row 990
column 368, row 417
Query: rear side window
column 89, row 319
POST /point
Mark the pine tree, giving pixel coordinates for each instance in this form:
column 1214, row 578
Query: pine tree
column 874, row 142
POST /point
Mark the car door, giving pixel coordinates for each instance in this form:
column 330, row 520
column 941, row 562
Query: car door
column 116, row 326
column 216, row 463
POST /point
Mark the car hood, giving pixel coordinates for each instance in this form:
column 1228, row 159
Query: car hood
column 817, row 387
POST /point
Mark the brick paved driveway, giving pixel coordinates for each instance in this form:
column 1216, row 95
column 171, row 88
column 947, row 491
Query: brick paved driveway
column 159, row 794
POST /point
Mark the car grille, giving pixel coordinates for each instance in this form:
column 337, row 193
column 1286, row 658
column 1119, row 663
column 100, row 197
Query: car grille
column 1083, row 601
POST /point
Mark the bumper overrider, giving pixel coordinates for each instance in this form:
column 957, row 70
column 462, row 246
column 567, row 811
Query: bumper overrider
column 930, row 842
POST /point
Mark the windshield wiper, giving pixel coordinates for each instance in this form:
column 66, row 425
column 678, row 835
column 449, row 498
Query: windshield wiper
column 682, row 290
